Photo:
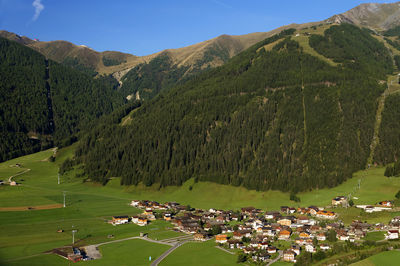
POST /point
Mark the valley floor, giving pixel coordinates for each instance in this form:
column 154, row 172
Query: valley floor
column 26, row 234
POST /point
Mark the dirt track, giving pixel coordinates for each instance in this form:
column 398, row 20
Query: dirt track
column 26, row 208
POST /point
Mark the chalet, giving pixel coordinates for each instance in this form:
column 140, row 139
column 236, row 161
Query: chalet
column 135, row 203
column 254, row 243
column 343, row 236
column 220, row 219
column 392, row 234
column 233, row 243
column 324, row 247
column 303, row 220
column 247, row 210
column 289, row 255
column 339, row 200
column 235, row 217
column 304, row 235
column 263, row 245
column 312, row 210
column 249, row 250
column 285, row 209
column 292, row 210
column 226, row 229
column 295, row 249
column 326, row 215
column 385, row 203
column 269, row 231
column 142, row 221
column 321, row 237
column 221, row 238
column 264, row 256
column 272, row 215
column 395, row 219
column 200, row 237
column 286, row 220
column 167, row 216
column 271, row 250
column 120, row 220
column 284, row 235
column 310, row 248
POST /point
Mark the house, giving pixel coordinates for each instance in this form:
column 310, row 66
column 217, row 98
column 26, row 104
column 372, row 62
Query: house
column 385, row 203
column 135, row 203
column 284, row 235
column 221, row 238
column 13, row 183
column 321, row 237
column 142, row 221
column 303, row 220
column 285, row 209
column 304, row 235
column 286, row 220
column 200, row 237
column 272, row 215
column 295, row 249
column 289, row 255
column 233, row 243
column 343, row 237
column 248, row 210
column 326, row 215
column 324, row 247
column 167, row 216
column 392, row 234
column 120, row 220
column 312, row 210
column 249, row 250
column 264, row 256
column 339, row 200
column 271, row 250
column 310, row 248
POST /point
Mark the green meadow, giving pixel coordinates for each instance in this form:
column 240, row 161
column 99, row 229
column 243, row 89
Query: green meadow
column 90, row 205
column 387, row 258
column 204, row 253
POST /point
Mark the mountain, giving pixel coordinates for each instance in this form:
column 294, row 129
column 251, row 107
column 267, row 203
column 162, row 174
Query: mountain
column 294, row 112
column 45, row 103
column 380, row 17
column 137, row 74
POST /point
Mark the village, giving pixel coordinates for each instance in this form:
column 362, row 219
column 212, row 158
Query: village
column 265, row 236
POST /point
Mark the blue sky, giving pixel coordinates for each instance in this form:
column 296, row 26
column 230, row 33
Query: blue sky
column 143, row 27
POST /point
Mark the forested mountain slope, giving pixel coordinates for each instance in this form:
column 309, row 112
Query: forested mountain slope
column 274, row 118
column 43, row 102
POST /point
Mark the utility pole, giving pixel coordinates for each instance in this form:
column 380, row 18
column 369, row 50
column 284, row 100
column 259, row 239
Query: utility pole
column 73, row 235
column 64, row 193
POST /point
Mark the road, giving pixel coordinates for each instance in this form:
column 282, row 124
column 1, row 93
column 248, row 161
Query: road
column 277, row 258
column 166, row 253
column 23, row 172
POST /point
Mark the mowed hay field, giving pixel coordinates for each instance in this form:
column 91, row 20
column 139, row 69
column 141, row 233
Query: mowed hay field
column 204, row 253
column 387, row 258
column 90, row 205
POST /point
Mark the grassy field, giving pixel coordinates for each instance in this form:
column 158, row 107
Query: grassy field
column 130, row 252
column 388, row 258
column 88, row 207
column 203, row 253
column 25, row 233
column 375, row 236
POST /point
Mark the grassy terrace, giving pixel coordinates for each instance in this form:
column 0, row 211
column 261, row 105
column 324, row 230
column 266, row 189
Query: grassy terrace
column 89, row 205
column 387, row 258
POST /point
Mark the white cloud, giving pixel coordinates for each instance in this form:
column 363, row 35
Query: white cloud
column 38, row 8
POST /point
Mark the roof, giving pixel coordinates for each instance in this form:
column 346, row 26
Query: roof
column 121, row 217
